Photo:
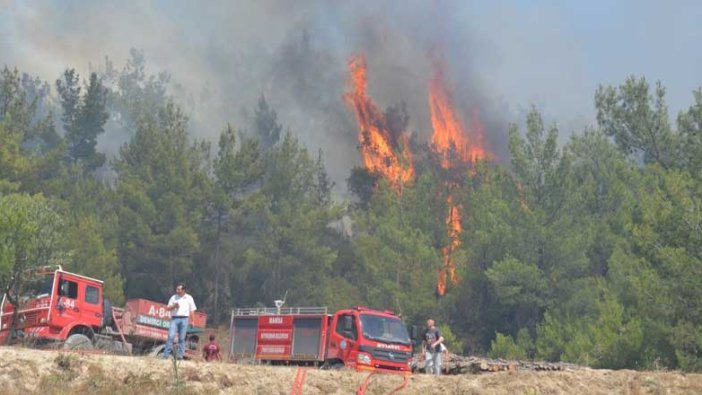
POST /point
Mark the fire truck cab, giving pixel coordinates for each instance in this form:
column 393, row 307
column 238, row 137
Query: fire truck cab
column 367, row 339
column 57, row 306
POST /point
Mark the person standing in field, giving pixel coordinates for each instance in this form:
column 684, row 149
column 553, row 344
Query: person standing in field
column 211, row 350
column 431, row 347
column 182, row 308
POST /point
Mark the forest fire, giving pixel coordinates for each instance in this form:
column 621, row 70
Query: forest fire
column 453, row 223
column 387, row 152
column 456, row 147
column 450, row 139
column 382, row 152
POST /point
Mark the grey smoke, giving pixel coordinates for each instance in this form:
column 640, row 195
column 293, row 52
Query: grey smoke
column 223, row 55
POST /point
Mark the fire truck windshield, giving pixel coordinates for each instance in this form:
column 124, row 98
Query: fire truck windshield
column 384, row 329
column 39, row 286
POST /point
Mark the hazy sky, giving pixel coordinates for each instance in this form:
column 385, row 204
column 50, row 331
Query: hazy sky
column 556, row 53
column 502, row 56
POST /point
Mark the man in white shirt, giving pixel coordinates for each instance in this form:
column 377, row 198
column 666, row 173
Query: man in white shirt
column 182, row 308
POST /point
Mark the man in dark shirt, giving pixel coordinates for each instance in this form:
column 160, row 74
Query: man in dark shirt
column 431, row 347
column 211, row 350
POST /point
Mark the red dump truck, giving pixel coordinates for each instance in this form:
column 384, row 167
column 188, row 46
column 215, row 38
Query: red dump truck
column 67, row 310
column 359, row 338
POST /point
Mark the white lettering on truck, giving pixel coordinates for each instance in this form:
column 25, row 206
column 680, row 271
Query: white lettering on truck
column 272, row 350
column 275, row 335
column 390, row 346
column 160, row 312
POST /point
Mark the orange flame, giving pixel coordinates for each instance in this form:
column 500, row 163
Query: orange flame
column 450, row 139
column 377, row 148
column 453, row 223
column 455, row 146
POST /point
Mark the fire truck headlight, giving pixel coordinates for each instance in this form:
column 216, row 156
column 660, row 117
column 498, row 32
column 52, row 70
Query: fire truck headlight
column 43, row 320
column 364, row 358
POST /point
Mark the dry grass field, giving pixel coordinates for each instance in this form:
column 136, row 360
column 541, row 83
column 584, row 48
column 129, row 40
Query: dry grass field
column 28, row 371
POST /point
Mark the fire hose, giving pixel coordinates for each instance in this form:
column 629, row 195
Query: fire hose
column 299, row 381
column 405, row 381
column 364, row 386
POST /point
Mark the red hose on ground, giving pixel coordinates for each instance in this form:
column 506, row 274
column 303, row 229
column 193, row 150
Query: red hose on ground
column 405, row 381
column 299, row 381
column 364, row 386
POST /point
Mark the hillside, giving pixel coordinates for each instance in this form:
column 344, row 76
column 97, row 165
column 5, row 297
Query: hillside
column 26, row 371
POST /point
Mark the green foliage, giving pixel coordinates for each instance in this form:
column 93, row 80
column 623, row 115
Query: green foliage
column 506, row 348
column 587, row 251
column 399, row 261
column 690, row 129
column 291, row 223
column 518, row 284
column 238, row 173
column 29, row 145
column 637, row 121
column 96, row 257
column 452, row 343
column 161, row 183
column 30, row 233
column 604, row 338
column 135, row 95
column 83, row 118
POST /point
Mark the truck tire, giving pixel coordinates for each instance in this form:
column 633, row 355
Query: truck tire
column 106, row 313
column 332, row 364
column 78, row 341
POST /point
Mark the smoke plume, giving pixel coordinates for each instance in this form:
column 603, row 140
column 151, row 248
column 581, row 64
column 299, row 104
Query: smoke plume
column 223, row 56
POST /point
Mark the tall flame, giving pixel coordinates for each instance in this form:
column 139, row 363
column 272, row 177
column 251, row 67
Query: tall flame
column 455, row 228
column 378, row 147
column 456, row 147
column 450, row 139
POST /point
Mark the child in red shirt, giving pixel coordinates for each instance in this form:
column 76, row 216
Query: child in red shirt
column 211, row 350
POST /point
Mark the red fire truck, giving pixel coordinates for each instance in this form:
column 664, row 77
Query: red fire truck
column 359, row 338
column 62, row 309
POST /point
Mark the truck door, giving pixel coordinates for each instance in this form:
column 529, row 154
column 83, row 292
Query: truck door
column 65, row 309
column 91, row 304
column 342, row 341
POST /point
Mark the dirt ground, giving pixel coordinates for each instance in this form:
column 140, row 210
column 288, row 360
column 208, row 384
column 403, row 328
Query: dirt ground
column 27, row 371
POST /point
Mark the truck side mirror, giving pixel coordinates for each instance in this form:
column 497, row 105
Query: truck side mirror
column 348, row 323
column 414, row 335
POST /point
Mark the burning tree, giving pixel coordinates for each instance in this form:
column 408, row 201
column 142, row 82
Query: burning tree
column 384, row 149
column 456, row 148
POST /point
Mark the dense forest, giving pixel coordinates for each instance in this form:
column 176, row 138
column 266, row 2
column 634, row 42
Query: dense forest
column 588, row 251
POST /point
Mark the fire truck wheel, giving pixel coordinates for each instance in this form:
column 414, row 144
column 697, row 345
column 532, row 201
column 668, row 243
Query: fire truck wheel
column 332, row 364
column 78, row 341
